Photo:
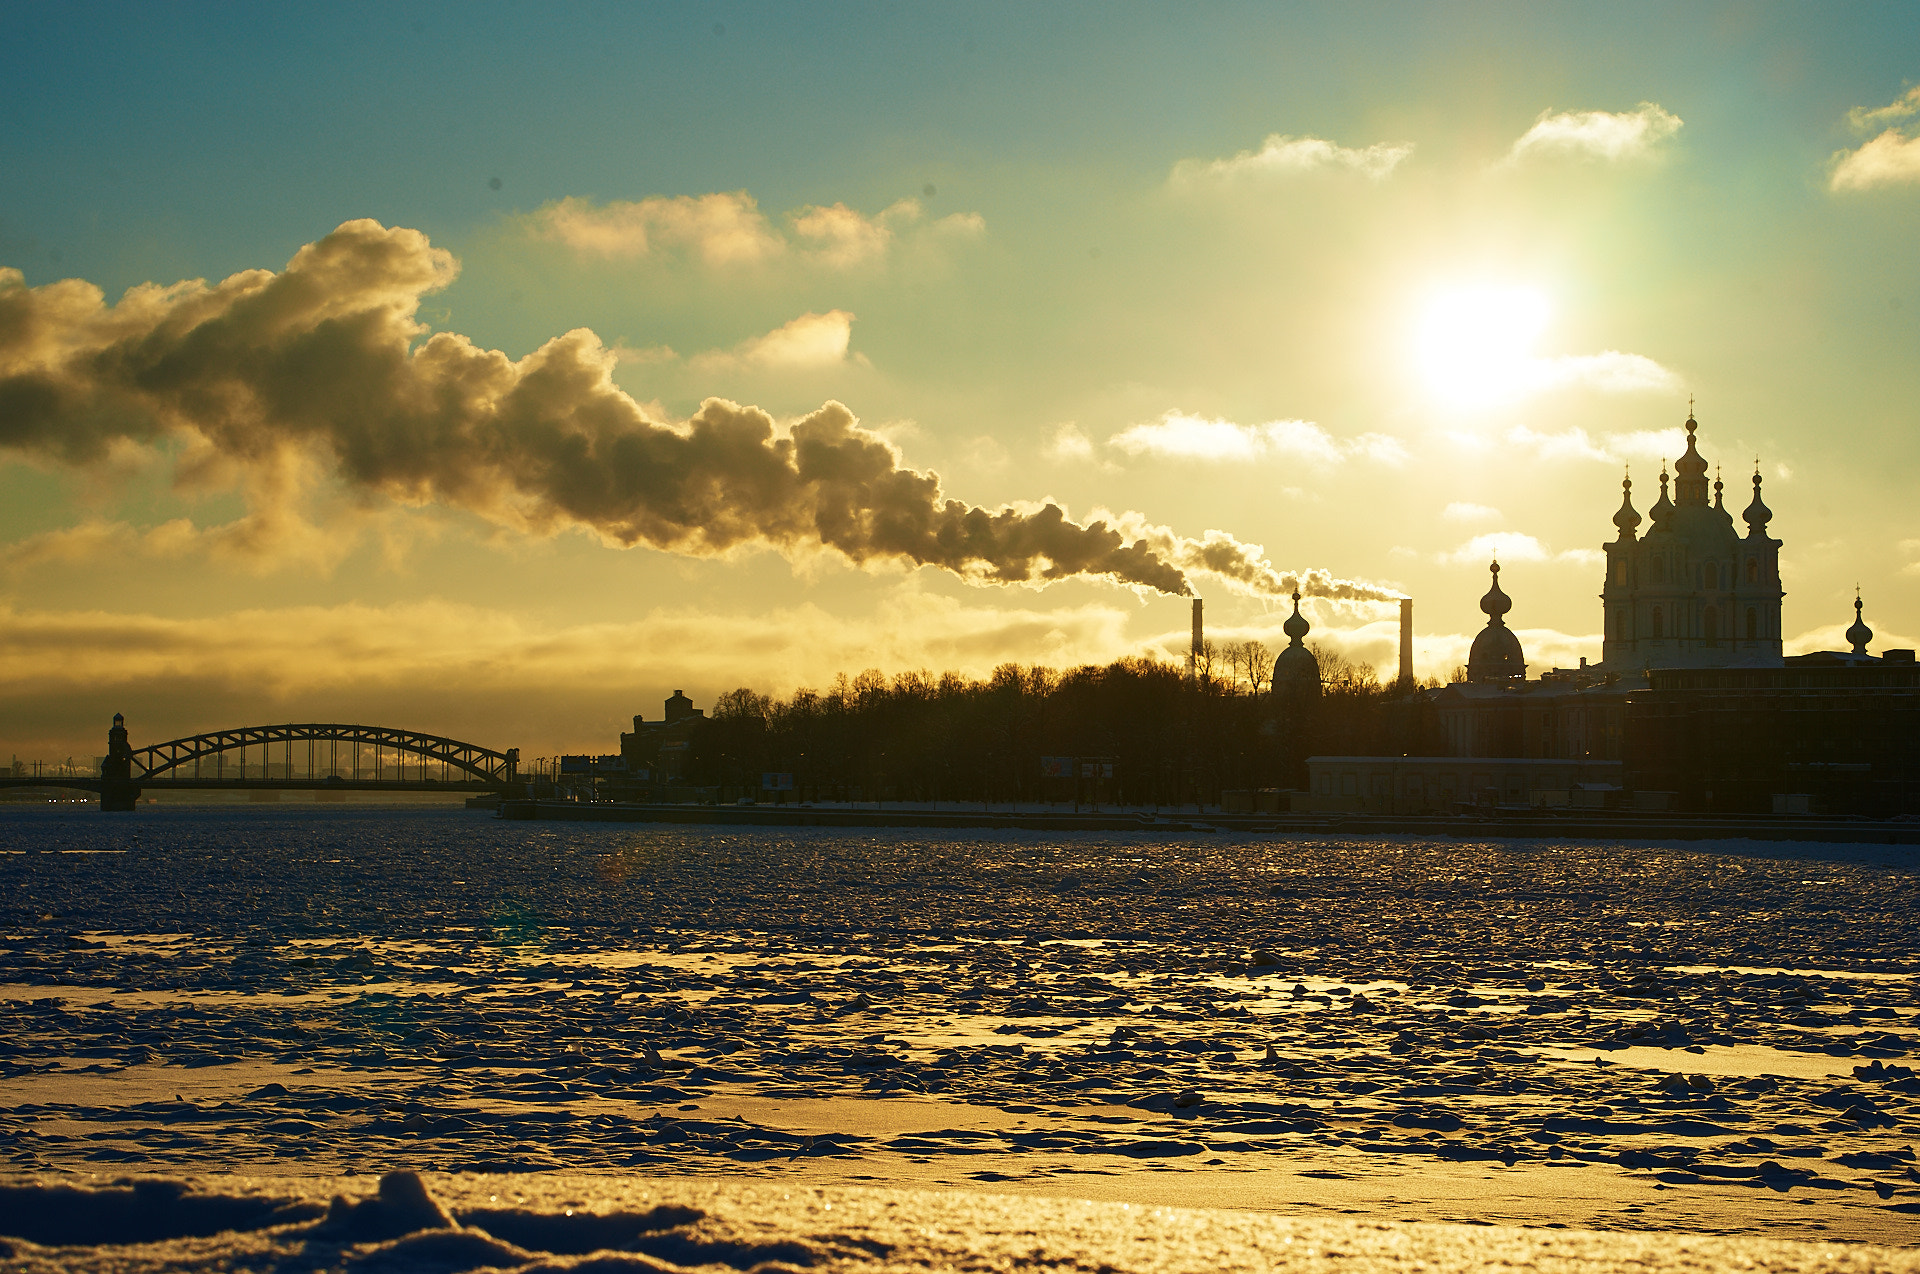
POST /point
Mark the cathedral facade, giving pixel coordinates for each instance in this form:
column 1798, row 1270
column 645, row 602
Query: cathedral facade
column 1692, row 592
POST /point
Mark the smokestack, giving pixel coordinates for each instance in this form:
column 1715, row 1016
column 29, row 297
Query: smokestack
column 1406, row 643
column 1193, row 660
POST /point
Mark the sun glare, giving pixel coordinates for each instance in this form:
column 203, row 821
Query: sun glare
column 1475, row 344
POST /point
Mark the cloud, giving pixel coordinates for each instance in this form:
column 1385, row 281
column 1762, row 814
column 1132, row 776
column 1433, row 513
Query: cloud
column 720, row 229
column 1497, row 545
column 840, row 237
column 1834, row 636
column 488, row 674
column 326, row 362
column 1578, row 444
column 1890, row 159
column 1460, row 511
column 1376, row 643
column 1611, row 372
column 1604, row 135
column 1284, row 156
column 809, row 342
column 1068, row 443
column 1180, row 436
column 1512, row 546
column 259, row 542
column 985, row 454
column 728, row 229
column 1866, row 119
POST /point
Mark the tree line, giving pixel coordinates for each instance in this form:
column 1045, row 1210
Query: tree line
column 1171, row 734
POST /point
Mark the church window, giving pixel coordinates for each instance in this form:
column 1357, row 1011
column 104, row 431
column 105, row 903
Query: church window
column 1753, row 571
column 1712, row 622
column 1713, row 576
column 1659, row 623
column 1659, row 570
column 1753, row 623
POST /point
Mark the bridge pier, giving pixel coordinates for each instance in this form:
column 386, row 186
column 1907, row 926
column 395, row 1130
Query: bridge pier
column 118, row 791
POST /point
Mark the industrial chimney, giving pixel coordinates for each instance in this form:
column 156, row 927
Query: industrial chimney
column 1193, row 660
column 1405, row 681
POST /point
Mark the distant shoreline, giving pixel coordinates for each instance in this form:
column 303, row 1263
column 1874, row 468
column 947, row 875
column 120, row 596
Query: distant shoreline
column 1519, row 824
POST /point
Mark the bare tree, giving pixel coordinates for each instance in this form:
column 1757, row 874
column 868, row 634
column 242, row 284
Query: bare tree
column 1259, row 661
column 1205, row 660
column 1340, row 674
column 1232, row 654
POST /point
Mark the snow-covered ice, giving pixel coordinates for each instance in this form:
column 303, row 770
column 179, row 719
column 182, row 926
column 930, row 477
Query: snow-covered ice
column 1708, row 1038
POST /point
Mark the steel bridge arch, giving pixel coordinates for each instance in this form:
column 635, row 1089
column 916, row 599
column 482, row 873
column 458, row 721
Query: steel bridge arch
column 157, row 760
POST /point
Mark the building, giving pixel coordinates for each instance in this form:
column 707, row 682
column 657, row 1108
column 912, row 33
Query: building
column 1692, row 696
column 1822, row 735
column 1565, row 714
column 1692, row 592
column 1445, row 784
column 656, row 752
column 1296, row 673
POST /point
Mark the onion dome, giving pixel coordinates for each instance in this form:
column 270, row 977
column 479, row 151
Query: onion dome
column 1496, row 654
column 1496, row 603
column 1296, row 626
column 1719, row 489
column 1295, row 670
column 1690, row 470
column 1662, row 508
column 1758, row 514
column 1858, row 633
column 1626, row 519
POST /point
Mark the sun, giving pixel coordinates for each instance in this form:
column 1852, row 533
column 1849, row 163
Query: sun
column 1475, row 343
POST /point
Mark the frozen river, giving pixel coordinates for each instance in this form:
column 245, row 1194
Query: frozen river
column 1713, row 1037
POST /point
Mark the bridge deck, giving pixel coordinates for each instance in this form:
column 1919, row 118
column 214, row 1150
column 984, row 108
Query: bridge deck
column 264, row 785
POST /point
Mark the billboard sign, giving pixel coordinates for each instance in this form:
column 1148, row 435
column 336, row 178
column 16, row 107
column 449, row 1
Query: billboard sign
column 1056, row 767
column 772, row 781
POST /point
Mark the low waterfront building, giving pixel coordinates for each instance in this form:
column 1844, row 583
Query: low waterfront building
column 1446, row 785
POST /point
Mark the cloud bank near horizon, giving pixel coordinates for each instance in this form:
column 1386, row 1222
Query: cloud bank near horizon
column 463, row 669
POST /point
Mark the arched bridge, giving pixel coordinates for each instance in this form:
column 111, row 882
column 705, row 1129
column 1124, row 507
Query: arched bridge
column 327, row 753
column 324, row 756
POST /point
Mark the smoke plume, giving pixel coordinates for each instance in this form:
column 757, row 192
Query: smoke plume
column 326, row 358
column 1244, row 568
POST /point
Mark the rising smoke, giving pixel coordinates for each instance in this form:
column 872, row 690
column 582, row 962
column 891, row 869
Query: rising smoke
column 327, row 358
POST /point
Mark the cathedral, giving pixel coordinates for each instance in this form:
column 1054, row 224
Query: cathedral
column 1694, row 703
column 1692, row 592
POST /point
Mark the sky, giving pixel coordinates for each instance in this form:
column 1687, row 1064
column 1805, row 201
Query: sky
column 498, row 370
